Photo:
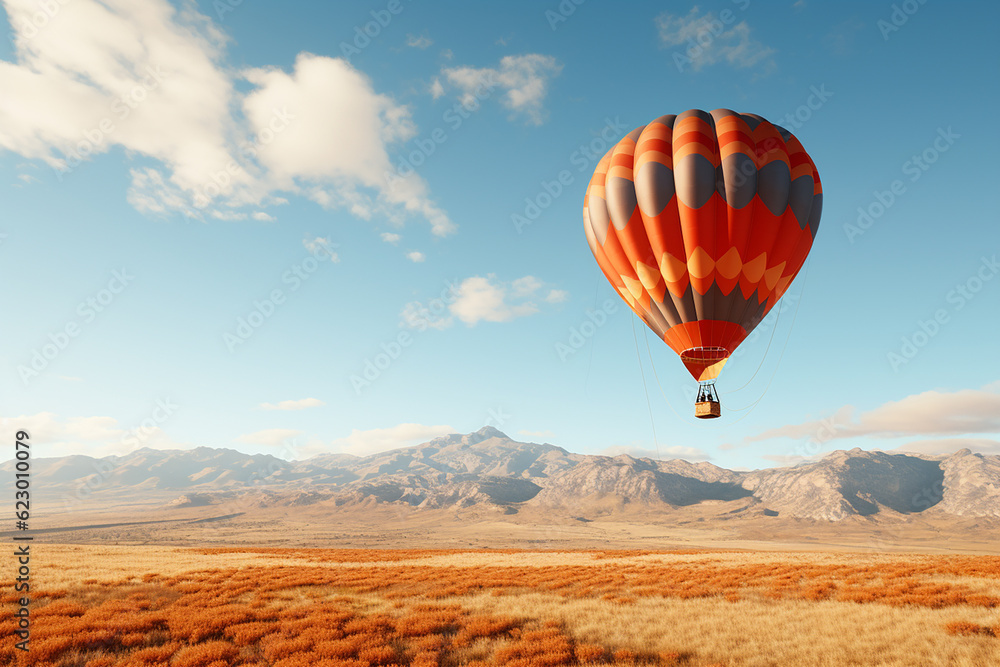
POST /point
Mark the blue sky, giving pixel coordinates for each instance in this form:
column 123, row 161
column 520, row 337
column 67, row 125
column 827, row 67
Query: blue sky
column 167, row 170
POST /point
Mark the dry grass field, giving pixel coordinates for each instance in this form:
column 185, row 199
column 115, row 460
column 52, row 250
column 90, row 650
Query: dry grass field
column 104, row 606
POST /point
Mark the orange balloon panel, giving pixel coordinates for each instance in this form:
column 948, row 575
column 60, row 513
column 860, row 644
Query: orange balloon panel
column 701, row 221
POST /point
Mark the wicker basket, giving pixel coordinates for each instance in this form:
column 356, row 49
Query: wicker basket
column 707, row 409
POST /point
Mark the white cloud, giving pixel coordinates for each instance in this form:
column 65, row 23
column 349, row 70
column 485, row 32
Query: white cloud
column 793, row 459
column 347, row 158
column 151, row 79
column 485, row 299
column 526, row 286
column 271, row 437
column 556, row 296
column 437, row 89
column 415, row 315
column 416, row 256
column 263, row 217
column 522, row 80
column 951, row 445
column 300, row 404
column 228, row 215
column 479, row 298
column 421, row 42
column 363, row 443
column 931, row 413
column 321, row 247
column 664, row 453
column 97, row 436
column 389, row 237
column 703, row 44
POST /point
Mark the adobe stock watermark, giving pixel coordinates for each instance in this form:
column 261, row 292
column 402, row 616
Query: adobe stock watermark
column 957, row 298
column 496, row 418
column 898, row 17
column 710, row 28
column 264, row 309
column 421, row 318
column 795, row 120
column 87, row 311
column 915, row 168
column 121, row 108
column 364, row 34
column 30, row 26
column 223, row 7
column 583, row 333
column 804, row 112
column 809, row 448
column 220, row 180
column 454, row 117
column 134, row 438
column 561, row 13
column 584, row 157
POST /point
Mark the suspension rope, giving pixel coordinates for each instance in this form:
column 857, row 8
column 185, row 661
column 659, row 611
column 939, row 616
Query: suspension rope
column 780, row 357
column 777, row 320
column 649, row 405
column 645, row 335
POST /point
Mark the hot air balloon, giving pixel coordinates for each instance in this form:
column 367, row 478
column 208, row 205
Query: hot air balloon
column 701, row 221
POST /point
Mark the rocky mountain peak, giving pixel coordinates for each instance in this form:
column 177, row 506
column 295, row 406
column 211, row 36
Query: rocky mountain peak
column 490, row 432
column 486, row 466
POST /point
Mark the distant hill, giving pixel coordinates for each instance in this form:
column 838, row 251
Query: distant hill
column 487, row 468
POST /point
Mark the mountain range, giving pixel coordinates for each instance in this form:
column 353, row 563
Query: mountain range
column 488, row 470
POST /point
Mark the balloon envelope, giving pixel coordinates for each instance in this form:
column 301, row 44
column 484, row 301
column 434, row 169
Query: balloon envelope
column 701, row 221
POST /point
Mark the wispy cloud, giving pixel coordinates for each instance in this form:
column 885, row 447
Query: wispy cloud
column 522, row 80
column 94, row 436
column 557, row 296
column 419, row 42
column 480, row 299
column 321, row 246
column 951, row 445
column 416, row 315
column 416, row 256
column 373, row 441
column 300, row 404
column 706, row 41
column 842, row 37
column 969, row 413
column 793, row 459
column 389, row 237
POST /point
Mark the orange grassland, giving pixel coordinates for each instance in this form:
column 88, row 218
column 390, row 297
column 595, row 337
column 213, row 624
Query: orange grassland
column 103, row 606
